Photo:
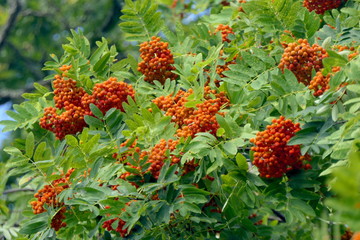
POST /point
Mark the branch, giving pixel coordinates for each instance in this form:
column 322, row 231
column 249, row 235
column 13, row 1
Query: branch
column 18, row 190
column 14, row 12
column 29, row 12
column 11, row 94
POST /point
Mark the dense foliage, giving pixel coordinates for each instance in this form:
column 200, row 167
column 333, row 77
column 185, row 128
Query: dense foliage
column 242, row 125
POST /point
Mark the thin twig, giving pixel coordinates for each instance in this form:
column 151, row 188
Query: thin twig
column 11, row 94
column 279, row 215
column 18, row 190
column 14, row 12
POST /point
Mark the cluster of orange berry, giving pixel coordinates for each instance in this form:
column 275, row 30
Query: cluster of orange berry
column 109, row 94
column 222, row 68
column 321, row 6
column 158, row 155
column 320, row 83
column 193, row 120
column 272, row 155
column 66, row 93
column 301, row 58
column 48, row 196
column 57, row 220
column 175, row 106
column 72, row 103
column 121, row 223
column 350, row 235
column 341, row 48
column 67, row 101
column 189, row 166
column 203, row 118
column 225, row 31
column 241, row 8
column 68, row 122
column 130, row 153
column 225, row 3
column 157, row 60
column 212, row 206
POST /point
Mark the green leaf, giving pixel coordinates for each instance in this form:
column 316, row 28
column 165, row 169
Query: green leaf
column 96, row 111
column 78, row 201
column 89, row 145
column 304, row 136
column 190, row 207
column 71, row 140
column 305, row 194
column 100, row 65
column 41, row 89
column 93, row 122
column 333, row 167
column 40, row 149
column 241, row 162
column 334, row 61
column 12, row 151
column 37, row 224
column 190, row 189
column 140, row 20
column 29, row 145
column 230, row 148
column 303, row 207
column 98, row 53
column 334, row 113
column 9, row 125
column 216, row 165
column 119, row 65
column 354, row 88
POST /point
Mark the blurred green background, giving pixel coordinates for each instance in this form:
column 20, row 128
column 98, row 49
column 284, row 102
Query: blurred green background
column 32, row 29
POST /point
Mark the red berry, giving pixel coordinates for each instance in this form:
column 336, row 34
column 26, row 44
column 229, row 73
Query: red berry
column 321, row 6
